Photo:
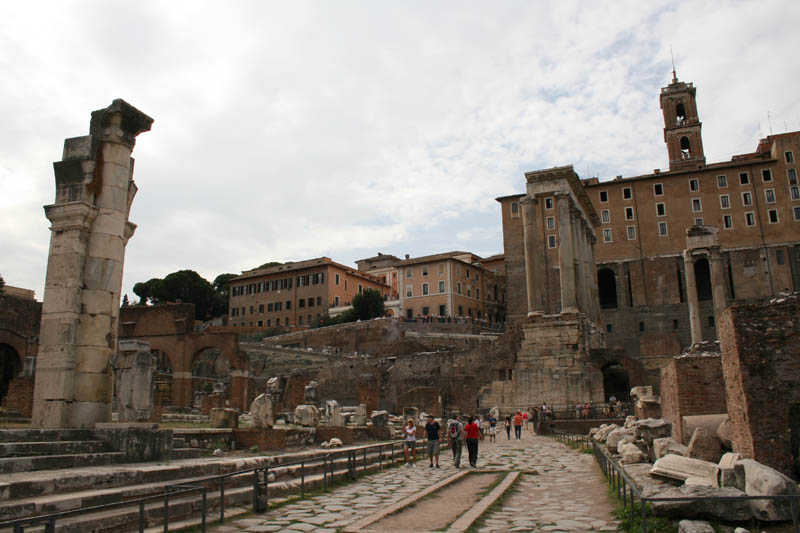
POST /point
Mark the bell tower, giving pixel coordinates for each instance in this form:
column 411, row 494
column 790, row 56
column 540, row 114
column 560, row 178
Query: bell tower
column 682, row 126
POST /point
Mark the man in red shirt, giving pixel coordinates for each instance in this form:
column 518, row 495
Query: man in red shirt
column 518, row 425
column 472, row 434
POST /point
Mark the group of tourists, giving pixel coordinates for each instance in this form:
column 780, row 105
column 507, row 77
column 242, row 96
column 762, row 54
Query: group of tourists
column 459, row 434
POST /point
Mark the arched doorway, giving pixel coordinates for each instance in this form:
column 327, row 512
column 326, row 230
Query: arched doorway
column 10, row 365
column 607, row 288
column 616, row 382
column 702, row 279
column 209, row 367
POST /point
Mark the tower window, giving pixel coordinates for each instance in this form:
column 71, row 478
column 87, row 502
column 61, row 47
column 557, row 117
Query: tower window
column 605, row 216
column 722, row 181
column 744, row 178
column 551, row 241
column 551, row 223
column 686, row 152
column 789, row 157
column 548, row 203
column 747, row 198
column 626, row 193
column 724, row 201
column 680, row 114
column 796, row 211
column 662, row 229
column 514, row 210
column 727, row 222
column 773, row 216
column 694, row 185
column 658, row 189
column 698, row 222
column 792, row 173
column 628, row 213
column 604, row 196
column 795, row 192
column 766, row 174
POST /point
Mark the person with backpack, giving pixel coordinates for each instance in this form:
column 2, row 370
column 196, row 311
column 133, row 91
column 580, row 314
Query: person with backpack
column 455, row 431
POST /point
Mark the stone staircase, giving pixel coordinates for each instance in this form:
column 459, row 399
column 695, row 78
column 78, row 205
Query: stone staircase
column 24, row 450
column 27, row 494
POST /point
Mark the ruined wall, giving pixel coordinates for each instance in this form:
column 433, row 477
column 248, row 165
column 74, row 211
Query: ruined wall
column 761, row 364
column 20, row 396
column 19, row 322
column 692, row 384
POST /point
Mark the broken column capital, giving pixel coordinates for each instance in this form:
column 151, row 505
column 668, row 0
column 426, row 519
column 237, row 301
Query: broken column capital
column 70, row 216
column 119, row 123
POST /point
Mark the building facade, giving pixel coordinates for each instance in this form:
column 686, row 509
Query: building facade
column 295, row 294
column 751, row 203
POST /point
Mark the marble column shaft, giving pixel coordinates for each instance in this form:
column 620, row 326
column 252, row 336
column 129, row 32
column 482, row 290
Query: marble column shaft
column 691, row 297
column 717, row 284
column 566, row 254
column 533, row 255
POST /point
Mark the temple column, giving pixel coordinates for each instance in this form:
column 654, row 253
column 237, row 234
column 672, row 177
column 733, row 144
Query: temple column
column 566, row 255
column 580, row 281
column 533, row 252
column 717, row 284
column 691, row 297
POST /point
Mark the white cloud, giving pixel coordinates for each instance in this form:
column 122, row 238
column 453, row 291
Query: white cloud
column 289, row 131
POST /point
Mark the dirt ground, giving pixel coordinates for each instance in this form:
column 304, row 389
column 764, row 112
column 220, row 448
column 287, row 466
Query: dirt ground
column 439, row 509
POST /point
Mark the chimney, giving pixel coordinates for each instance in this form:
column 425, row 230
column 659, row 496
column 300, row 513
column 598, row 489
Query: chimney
column 408, row 257
column 657, row 171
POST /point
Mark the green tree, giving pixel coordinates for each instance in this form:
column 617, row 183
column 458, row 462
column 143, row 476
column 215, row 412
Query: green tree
column 222, row 293
column 267, row 265
column 2, row 283
column 187, row 286
column 368, row 304
column 146, row 290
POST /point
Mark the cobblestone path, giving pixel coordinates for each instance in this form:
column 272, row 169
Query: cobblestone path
column 568, row 494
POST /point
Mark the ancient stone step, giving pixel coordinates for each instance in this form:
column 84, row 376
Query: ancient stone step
column 21, row 449
column 50, row 462
column 188, row 453
column 46, row 435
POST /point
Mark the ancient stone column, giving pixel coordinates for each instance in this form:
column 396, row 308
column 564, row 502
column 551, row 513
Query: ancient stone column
column 717, row 284
column 133, row 366
column 691, row 297
column 90, row 228
column 566, row 255
column 531, row 245
column 580, row 289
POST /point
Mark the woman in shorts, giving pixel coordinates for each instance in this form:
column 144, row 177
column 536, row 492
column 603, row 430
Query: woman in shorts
column 410, row 442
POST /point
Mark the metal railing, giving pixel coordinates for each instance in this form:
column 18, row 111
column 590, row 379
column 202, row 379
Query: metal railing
column 627, row 490
column 260, row 487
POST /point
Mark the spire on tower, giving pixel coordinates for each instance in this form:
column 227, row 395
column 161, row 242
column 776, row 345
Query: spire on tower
column 674, row 75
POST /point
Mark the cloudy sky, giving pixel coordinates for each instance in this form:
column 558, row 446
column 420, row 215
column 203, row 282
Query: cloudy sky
column 290, row 130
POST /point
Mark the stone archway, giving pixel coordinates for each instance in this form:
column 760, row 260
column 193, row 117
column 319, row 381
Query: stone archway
column 616, row 382
column 10, row 366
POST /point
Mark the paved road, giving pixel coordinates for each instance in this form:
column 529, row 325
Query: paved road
column 568, row 494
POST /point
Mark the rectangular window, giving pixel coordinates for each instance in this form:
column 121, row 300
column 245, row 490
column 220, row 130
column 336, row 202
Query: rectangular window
column 789, row 157
column 722, row 181
column 792, row 173
column 408, row 272
column 424, row 289
column 360, row 288
column 261, row 308
column 749, row 219
column 779, row 257
column 661, row 210
column 766, row 174
column 309, row 319
column 301, row 302
column 336, row 279
column 336, row 301
column 548, row 203
column 628, row 213
column 467, row 273
column 514, row 209
column 658, row 189
column 551, row 223
column 409, row 291
column 697, row 206
column 796, row 211
column 278, row 306
column 727, row 222
column 747, row 198
column 607, row 235
column 626, row 193
column 551, row 241
column 795, row 192
column 459, row 288
column 319, row 300
column 442, row 310
column 662, row 229
column 300, row 320
column 478, row 294
column 725, row 201
column 285, row 321
column 410, row 313
column 744, row 178
column 441, row 287
column 604, row 196
column 311, row 302
column 605, row 215
column 773, row 216
column 769, row 194
column 698, row 222
column 424, row 270
column 631, row 233
column 441, row 268
column 694, row 185
column 469, row 292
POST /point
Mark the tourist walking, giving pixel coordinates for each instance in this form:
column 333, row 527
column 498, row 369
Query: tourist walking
column 534, row 419
column 508, row 427
column 410, row 446
column 455, row 430
column 525, row 418
column 432, row 433
column 518, row 425
column 472, row 434
column 492, row 427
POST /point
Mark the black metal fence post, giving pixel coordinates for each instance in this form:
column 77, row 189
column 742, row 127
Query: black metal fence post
column 302, row 480
column 166, row 510
column 204, row 508
column 222, row 499
column 141, row 516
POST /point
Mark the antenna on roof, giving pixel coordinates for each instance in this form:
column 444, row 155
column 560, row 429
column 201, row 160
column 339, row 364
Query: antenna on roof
column 769, row 120
column 674, row 75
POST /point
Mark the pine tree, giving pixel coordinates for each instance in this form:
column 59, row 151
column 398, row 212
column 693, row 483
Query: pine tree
column 125, row 302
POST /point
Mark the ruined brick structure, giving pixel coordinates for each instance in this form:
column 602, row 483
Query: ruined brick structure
column 19, row 331
column 170, row 331
column 761, row 364
column 692, row 384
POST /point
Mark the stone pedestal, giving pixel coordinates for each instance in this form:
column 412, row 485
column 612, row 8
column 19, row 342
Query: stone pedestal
column 90, row 228
column 133, row 367
column 333, row 411
column 310, row 393
column 261, row 411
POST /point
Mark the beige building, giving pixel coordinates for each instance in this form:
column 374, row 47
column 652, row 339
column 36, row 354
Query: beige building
column 295, row 294
column 452, row 284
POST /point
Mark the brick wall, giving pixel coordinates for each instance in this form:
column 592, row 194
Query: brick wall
column 761, row 363
column 326, row 433
column 691, row 384
column 20, row 396
column 265, row 439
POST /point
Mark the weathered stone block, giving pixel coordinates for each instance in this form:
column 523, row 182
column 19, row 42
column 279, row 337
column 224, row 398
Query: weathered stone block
column 306, row 415
column 695, row 526
column 261, row 411
column 704, row 445
column 379, row 418
column 93, row 359
column 667, row 445
column 618, row 437
column 93, row 330
column 761, row 480
column 679, row 468
column 224, row 418
column 93, row 387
